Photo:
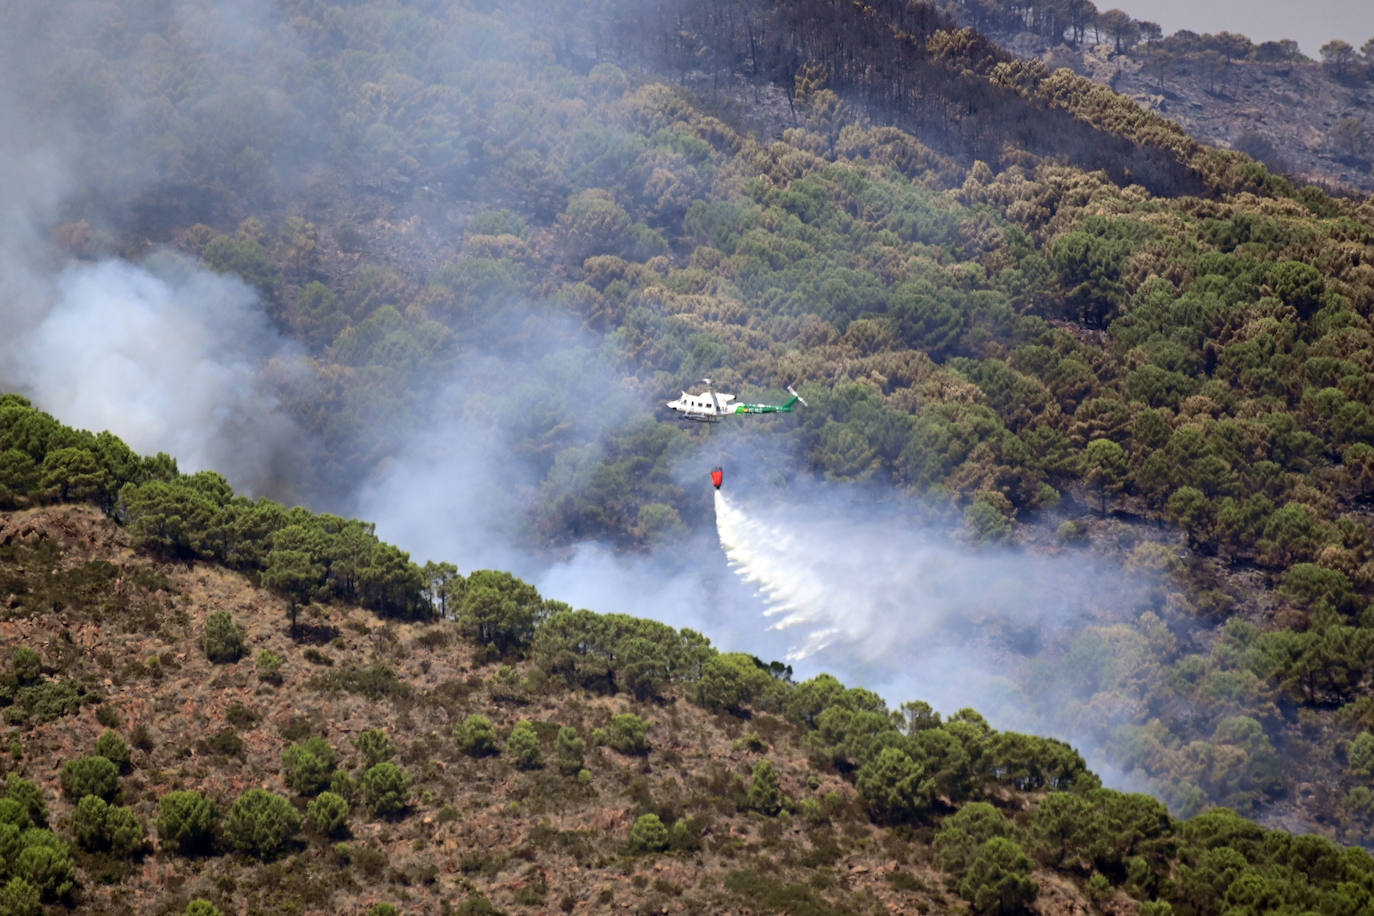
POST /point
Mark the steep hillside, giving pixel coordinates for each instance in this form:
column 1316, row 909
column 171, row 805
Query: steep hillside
column 372, row 765
column 436, row 265
column 1302, row 118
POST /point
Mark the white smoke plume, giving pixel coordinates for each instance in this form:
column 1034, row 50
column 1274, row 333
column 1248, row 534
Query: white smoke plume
column 166, row 355
column 173, row 358
column 864, row 585
column 897, row 606
column 460, row 487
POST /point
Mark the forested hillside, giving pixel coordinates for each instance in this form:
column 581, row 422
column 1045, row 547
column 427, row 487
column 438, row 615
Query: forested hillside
column 1298, row 114
column 182, row 741
column 1014, row 298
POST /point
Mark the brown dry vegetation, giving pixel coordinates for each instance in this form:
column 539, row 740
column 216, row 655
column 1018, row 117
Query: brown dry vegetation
column 1295, row 106
column 528, row 841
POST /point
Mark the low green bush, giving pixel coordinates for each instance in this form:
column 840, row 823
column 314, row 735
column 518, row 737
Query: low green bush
column 327, row 814
column 28, row 665
column 45, row 862
column 260, row 823
column 374, row 745
column 112, row 747
column 628, row 734
column 568, row 751
column 98, row 826
column 385, row 789
column 308, row 766
column 222, row 639
column 45, row 702
column 19, row 897
column 524, row 748
column 269, row 667
column 29, row 797
column 84, row 776
column 648, row 834
column 186, row 822
column 476, row 736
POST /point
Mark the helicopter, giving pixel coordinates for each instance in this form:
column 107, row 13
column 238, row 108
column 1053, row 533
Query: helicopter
column 711, row 405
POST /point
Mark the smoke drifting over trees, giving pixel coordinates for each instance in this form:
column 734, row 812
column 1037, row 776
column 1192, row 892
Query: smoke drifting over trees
column 1014, row 293
column 172, row 357
column 163, row 352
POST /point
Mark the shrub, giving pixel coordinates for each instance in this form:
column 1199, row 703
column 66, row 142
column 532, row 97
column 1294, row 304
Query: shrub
column 629, row 734
column 523, row 746
column 100, row 826
column 46, row 702
column 998, row 879
column 685, row 836
column 20, row 898
column 385, row 789
column 382, row 909
column 186, row 821
column 28, row 796
column 269, row 666
column 222, row 639
column 90, row 776
column 765, row 795
column 112, row 747
column 892, row 786
column 1099, row 889
column 751, row 742
column 28, row 665
column 45, row 863
column 732, row 681
column 260, row 823
column 1360, row 754
column 568, row 749
column 476, row 736
column 343, row 785
column 107, row 716
column 226, row 742
column 124, row 831
column 88, row 822
column 307, row 766
column 327, row 813
column 9, row 842
column 13, row 814
column 142, row 737
column 964, row 832
column 201, row 907
column 477, row 905
column 376, row 682
column 1071, row 532
column 374, row 745
column 648, row 834
column 1063, row 828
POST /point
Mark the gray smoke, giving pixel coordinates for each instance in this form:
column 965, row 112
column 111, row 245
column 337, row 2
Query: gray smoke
column 161, row 352
column 174, row 358
column 460, row 487
column 828, row 577
column 168, row 356
column 890, row 601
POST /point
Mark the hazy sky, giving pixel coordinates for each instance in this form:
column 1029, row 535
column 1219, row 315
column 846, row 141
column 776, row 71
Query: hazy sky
column 1311, row 24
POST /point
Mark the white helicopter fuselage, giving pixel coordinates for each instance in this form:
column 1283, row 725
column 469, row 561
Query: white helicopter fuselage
column 708, row 405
